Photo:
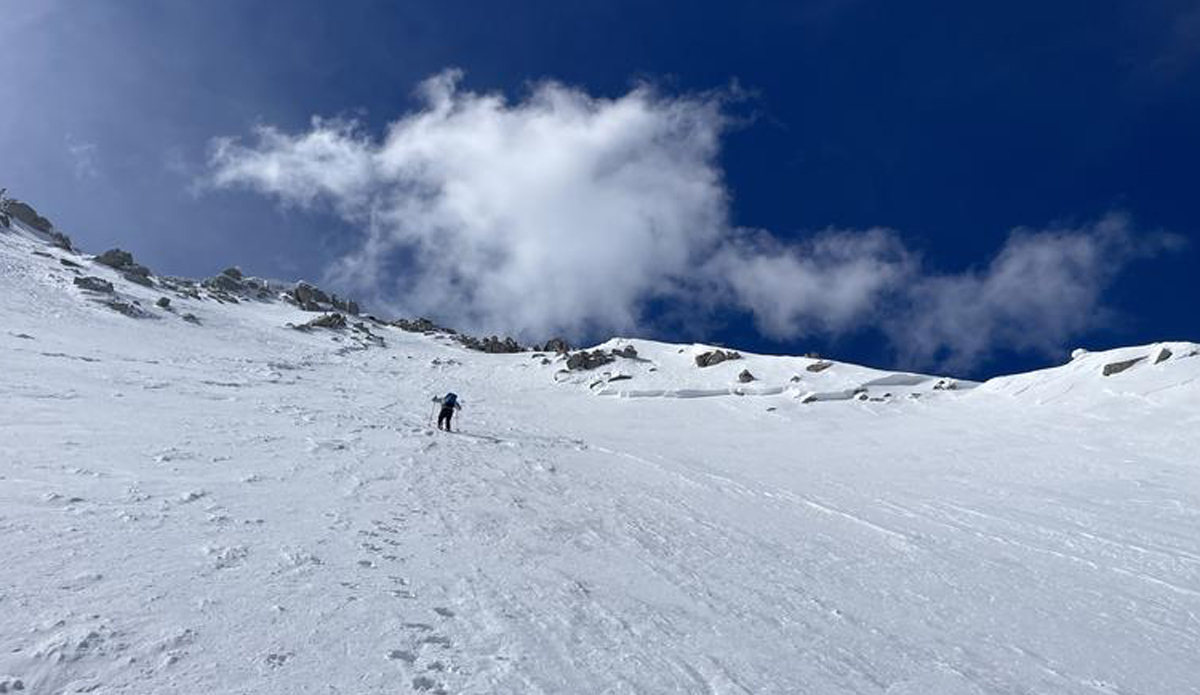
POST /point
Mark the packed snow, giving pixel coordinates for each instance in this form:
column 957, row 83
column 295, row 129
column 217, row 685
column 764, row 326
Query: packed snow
column 227, row 505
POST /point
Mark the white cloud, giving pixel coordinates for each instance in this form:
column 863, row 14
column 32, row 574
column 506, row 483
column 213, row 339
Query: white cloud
column 331, row 160
column 564, row 213
column 83, row 158
column 560, row 213
column 826, row 285
column 1041, row 290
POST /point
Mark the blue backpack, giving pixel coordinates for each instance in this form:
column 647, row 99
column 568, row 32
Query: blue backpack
column 450, row 400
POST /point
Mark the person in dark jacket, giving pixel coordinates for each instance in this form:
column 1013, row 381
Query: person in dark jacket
column 449, row 405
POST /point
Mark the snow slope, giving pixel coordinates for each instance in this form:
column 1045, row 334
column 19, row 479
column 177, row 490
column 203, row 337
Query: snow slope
column 239, row 507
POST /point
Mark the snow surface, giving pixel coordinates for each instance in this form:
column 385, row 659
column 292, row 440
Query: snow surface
column 239, row 507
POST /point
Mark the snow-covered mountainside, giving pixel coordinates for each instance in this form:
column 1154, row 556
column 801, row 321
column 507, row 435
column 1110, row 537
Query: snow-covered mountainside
column 196, row 497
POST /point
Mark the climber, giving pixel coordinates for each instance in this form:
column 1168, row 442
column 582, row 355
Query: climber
column 449, row 405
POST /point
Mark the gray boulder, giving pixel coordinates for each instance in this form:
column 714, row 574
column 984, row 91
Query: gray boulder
column 557, row 345
column 584, row 360
column 629, row 352
column 115, row 258
column 306, row 295
column 310, row 298
column 133, row 311
column 94, row 284
column 331, row 321
column 420, row 325
column 136, row 269
column 745, row 376
column 819, row 366
column 1118, row 367
column 713, row 357
column 233, row 272
column 163, row 303
column 138, row 274
column 61, row 241
column 224, row 283
column 494, row 344
column 123, row 262
column 25, row 213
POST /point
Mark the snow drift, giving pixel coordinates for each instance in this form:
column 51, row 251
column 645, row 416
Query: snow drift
column 197, row 497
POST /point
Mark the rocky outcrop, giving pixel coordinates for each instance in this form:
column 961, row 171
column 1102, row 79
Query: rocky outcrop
column 62, row 241
column 421, row 325
column 25, row 213
column 714, row 357
column 584, row 360
column 331, row 321
column 492, row 344
column 122, row 261
column 308, row 296
column 232, row 286
column 628, row 352
column 140, row 276
column 130, row 309
column 1118, row 367
column 15, row 209
column 347, row 305
column 94, row 284
column 557, row 345
column 311, row 298
column 115, row 258
column 820, row 366
column 224, row 283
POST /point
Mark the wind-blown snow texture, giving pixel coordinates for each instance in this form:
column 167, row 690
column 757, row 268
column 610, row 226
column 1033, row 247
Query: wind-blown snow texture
column 238, row 507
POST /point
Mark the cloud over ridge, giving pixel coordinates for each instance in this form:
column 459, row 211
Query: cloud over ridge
column 561, row 213
column 565, row 213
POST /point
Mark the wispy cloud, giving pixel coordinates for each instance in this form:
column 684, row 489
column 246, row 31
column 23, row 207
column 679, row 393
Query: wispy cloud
column 564, row 213
column 1042, row 289
column 84, row 158
column 828, row 284
column 560, row 213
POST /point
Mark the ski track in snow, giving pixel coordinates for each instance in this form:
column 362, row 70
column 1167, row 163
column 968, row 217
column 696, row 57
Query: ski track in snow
column 242, row 508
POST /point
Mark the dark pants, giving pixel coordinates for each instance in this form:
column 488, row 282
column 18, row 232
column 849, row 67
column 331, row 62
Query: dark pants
column 445, row 416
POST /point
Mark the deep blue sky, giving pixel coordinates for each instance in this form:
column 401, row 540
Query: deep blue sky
column 952, row 122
